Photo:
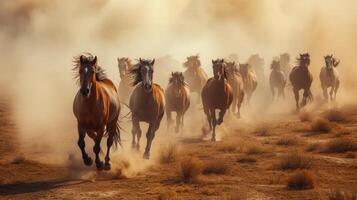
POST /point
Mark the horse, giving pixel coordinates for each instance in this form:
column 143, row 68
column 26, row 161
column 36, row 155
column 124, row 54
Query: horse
column 256, row 63
column 285, row 63
column 236, row 82
column 147, row 103
column 177, row 95
column 277, row 79
column 125, row 87
column 250, row 82
column 329, row 77
column 217, row 94
column 301, row 79
column 194, row 75
column 96, row 107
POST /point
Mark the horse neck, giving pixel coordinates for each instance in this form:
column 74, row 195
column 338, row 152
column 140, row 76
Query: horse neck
column 94, row 92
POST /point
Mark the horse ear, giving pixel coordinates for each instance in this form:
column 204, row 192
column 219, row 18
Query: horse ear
column 118, row 59
column 213, row 61
column 94, row 60
column 153, row 61
column 81, row 59
column 140, row 60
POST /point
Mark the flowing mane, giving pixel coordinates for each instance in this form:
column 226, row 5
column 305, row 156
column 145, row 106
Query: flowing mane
column 136, row 70
column 100, row 74
column 302, row 59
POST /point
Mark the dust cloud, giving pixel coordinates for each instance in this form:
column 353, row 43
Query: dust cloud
column 39, row 39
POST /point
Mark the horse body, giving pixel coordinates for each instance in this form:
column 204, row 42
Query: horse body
column 250, row 82
column 217, row 94
column 277, row 80
column 147, row 104
column 177, row 95
column 125, row 87
column 329, row 77
column 301, row 79
column 236, row 82
column 96, row 107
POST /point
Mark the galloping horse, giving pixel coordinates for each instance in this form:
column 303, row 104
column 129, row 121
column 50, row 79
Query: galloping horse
column 96, row 107
column 147, row 103
column 125, row 87
column 236, row 82
column 177, row 95
column 194, row 75
column 301, row 79
column 285, row 63
column 329, row 77
column 216, row 94
column 249, row 80
column 277, row 79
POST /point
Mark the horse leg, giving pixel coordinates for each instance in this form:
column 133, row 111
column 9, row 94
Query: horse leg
column 214, row 123
column 169, row 119
column 305, row 96
column 208, row 116
column 296, row 93
column 112, row 129
column 150, row 137
column 136, row 131
column 178, row 122
column 234, row 103
column 81, row 135
column 337, row 85
column 331, row 93
column 324, row 90
column 240, row 100
column 96, row 149
column 272, row 92
column 221, row 115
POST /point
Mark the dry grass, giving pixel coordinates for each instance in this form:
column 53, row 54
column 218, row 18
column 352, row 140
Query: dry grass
column 254, row 149
column 350, row 155
column 227, row 147
column 340, row 145
column 294, row 161
column 262, row 130
column 343, row 132
column 246, row 159
column 190, row 169
column 334, row 115
column 287, row 141
column 169, row 154
column 306, row 116
column 313, row 147
column 19, row 160
column 215, row 167
column 339, row 195
column 300, row 180
column 169, row 195
column 321, row 125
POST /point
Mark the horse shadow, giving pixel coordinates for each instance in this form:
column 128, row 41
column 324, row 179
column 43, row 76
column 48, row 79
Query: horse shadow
column 37, row 186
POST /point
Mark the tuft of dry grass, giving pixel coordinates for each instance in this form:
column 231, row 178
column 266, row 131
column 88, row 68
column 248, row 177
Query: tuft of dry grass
column 215, row 167
column 343, row 132
column 227, row 147
column 300, row 180
column 190, row 169
column 262, row 130
column 254, row 149
column 306, row 116
column 169, row 154
column 169, row 195
column 287, row 141
column 313, row 147
column 293, row 161
column 350, row 155
column 321, row 125
column 246, row 159
column 340, row 145
column 340, row 195
column 335, row 115
column 19, row 160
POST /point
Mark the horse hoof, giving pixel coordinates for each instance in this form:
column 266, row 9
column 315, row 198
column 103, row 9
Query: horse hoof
column 88, row 161
column 146, row 156
column 213, row 140
column 100, row 166
column 107, row 166
column 219, row 121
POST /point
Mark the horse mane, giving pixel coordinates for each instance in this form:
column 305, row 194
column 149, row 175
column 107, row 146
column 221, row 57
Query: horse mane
column 136, row 72
column 127, row 60
column 100, row 74
column 302, row 57
column 186, row 64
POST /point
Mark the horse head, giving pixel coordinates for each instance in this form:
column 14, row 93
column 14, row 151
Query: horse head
column 284, row 59
column 304, row 60
column 219, row 71
column 275, row 65
column 124, row 66
column 143, row 72
column 231, row 68
column 178, row 81
column 87, row 65
column 193, row 62
column 331, row 62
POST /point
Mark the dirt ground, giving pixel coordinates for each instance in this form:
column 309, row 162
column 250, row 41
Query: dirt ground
column 248, row 158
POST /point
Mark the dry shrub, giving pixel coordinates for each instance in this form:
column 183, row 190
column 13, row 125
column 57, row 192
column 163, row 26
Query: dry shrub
column 215, row 167
column 313, row 147
column 19, row 160
column 350, row 155
column 169, row 195
column 287, row 141
column 300, row 180
column 321, row 125
column 306, row 116
column 190, row 169
column 293, row 161
column 262, row 130
column 255, row 149
column 228, row 147
column 340, row 145
column 169, row 154
column 340, row 195
column 246, row 159
column 343, row 132
column 334, row 115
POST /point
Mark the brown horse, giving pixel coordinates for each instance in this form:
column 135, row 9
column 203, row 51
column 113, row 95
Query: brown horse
column 194, row 75
column 277, row 79
column 250, row 82
column 329, row 77
column 177, row 95
column 96, row 107
column 301, row 79
column 216, row 94
column 125, row 87
column 236, row 82
column 147, row 103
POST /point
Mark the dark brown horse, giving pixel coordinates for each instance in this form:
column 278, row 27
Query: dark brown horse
column 194, row 75
column 277, row 79
column 147, row 103
column 217, row 94
column 177, row 95
column 301, row 79
column 96, row 107
column 125, row 85
column 250, row 82
column 236, row 82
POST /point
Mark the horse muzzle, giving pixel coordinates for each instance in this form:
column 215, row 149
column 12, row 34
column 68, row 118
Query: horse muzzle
column 85, row 92
column 147, row 87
